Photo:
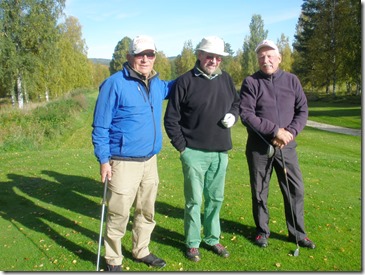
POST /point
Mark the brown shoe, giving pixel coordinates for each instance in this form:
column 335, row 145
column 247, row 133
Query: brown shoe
column 219, row 250
column 193, row 254
column 307, row 243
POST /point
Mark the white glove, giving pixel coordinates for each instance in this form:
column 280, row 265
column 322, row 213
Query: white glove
column 228, row 120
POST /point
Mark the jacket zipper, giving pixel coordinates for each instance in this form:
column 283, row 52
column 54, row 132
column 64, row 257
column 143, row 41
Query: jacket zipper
column 146, row 98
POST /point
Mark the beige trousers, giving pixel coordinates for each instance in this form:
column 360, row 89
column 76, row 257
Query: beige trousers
column 135, row 184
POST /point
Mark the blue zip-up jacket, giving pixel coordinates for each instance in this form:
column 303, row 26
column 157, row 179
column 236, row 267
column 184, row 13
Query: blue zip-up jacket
column 127, row 116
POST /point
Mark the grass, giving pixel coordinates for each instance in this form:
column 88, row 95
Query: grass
column 345, row 112
column 51, row 205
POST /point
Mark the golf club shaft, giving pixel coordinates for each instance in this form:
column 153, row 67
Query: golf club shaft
column 257, row 132
column 102, row 222
column 289, row 195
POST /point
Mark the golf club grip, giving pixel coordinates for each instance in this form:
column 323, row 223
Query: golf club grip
column 105, row 189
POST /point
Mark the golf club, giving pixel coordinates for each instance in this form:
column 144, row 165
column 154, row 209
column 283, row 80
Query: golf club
column 296, row 251
column 102, row 221
column 270, row 150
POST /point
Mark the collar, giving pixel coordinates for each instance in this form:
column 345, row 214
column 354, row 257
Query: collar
column 136, row 74
column 276, row 74
column 199, row 72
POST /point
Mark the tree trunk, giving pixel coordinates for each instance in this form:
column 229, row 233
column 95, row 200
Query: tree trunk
column 47, row 95
column 20, row 92
column 334, row 84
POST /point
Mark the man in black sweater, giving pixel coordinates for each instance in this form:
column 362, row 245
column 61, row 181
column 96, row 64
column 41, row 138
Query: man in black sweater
column 273, row 104
column 203, row 105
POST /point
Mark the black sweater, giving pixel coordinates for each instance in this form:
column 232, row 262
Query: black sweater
column 195, row 110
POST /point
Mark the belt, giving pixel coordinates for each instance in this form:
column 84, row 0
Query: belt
column 140, row 159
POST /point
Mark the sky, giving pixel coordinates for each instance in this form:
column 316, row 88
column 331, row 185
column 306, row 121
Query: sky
column 172, row 23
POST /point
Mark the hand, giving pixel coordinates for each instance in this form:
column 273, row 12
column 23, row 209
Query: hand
column 105, row 171
column 228, row 120
column 282, row 138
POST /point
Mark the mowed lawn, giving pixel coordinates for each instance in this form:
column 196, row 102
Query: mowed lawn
column 51, row 204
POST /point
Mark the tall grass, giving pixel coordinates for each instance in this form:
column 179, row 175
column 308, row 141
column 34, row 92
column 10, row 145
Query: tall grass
column 51, row 202
column 44, row 125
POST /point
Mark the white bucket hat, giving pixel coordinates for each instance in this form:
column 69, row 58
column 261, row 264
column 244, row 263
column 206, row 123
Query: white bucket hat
column 141, row 43
column 266, row 43
column 213, row 44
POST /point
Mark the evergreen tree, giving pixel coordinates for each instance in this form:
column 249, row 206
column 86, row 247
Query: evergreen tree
column 257, row 34
column 327, row 45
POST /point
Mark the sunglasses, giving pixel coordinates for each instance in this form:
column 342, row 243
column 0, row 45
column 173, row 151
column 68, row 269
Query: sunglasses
column 211, row 57
column 149, row 55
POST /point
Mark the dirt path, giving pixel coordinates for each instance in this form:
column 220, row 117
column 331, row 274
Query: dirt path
column 332, row 128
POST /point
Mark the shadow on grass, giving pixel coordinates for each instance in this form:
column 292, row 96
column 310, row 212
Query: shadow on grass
column 25, row 201
column 337, row 113
column 176, row 240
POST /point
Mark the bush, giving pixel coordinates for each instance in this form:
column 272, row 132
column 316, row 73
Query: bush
column 44, row 125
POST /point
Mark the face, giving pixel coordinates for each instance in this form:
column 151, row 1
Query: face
column 269, row 60
column 209, row 62
column 142, row 62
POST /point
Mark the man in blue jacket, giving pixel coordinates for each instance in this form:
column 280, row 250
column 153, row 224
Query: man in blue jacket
column 127, row 135
column 274, row 105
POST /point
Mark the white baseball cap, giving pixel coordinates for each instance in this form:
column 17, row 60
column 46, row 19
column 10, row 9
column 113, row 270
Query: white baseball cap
column 266, row 43
column 213, row 44
column 141, row 43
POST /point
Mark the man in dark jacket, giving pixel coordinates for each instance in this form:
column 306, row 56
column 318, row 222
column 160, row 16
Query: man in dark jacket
column 202, row 108
column 274, row 109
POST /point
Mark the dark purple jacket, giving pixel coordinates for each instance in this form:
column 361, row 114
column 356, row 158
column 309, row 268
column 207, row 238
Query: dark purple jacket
column 270, row 102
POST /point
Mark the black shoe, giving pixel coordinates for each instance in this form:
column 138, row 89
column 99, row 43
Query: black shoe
column 193, row 254
column 219, row 250
column 113, row 267
column 307, row 243
column 152, row 260
column 261, row 240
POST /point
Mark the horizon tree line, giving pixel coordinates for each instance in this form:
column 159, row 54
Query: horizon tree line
column 43, row 54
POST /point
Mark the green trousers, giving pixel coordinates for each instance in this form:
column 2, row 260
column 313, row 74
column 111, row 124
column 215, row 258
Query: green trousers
column 204, row 175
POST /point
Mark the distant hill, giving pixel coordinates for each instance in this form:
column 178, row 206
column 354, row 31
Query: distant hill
column 102, row 61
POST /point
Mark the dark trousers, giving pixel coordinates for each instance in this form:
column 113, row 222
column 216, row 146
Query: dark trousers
column 261, row 168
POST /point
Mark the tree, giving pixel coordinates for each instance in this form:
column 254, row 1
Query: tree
column 328, row 43
column 162, row 66
column 75, row 68
column 27, row 28
column 286, row 53
column 234, row 68
column 120, row 55
column 186, row 60
column 257, row 34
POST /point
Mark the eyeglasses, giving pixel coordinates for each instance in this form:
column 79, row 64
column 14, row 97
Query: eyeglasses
column 211, row 57
column 141, row 55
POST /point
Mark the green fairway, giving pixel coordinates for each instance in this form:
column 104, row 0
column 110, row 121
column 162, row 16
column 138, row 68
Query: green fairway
column 51, row 204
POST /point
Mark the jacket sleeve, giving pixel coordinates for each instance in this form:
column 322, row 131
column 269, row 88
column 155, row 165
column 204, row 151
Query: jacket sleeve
column 167, row 85
column 102, row 119
column 236, row 100
column 300, row 110
column 173, row 116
